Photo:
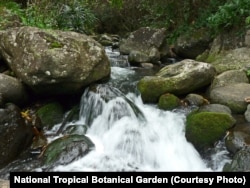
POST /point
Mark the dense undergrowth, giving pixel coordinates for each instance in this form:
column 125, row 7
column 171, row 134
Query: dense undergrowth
column 122, row 16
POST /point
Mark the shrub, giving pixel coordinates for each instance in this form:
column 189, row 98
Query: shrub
column 233, row 13
column 75, row 17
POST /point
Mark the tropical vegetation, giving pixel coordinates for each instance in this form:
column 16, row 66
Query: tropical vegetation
column 122, row 16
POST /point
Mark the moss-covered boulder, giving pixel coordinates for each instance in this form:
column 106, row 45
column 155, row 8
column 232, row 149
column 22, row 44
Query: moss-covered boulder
column 203, row 129
column 179, row 78
column 169, row 101
column 66, row 149
column 50, row 114
column 227, row 52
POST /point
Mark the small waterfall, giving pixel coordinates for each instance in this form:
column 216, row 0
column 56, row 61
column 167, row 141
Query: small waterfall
column 109, row 104
column 128, row 134
column 126, row 143
column 116, row 59
column 132, row 136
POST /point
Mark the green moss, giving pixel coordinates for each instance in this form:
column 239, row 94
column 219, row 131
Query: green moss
column 52, row 39
column 168, row 102
column 50, row 114
column 205, row 128
column 53, row 43
column 211, row 58
column 56, row 150
column 56, row 44
column 203, row 57
column 152, row 87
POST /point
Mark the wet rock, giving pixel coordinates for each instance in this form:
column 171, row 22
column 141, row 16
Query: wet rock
column 240, row 161
column 15, row 135
column 66, row 149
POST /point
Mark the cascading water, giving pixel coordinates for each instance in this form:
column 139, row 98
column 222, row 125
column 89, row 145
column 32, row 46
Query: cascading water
column 132, row 136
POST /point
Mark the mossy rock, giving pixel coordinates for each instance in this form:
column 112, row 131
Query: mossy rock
column 204, row 129
column 51, row 114
column 152, row 87
column 168, row 102
column 66, row 149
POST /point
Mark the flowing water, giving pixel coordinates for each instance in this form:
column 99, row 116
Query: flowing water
column 132, row 136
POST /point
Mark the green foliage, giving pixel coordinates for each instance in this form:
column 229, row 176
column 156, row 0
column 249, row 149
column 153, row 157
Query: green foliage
column 248, row 72
column 175, row 16
column 39, row 14
column 247, row 22
column 75, row 17
column 232, row 13
column 116, row 3
column 71, row 15
column 122, row 16
column 14, row 7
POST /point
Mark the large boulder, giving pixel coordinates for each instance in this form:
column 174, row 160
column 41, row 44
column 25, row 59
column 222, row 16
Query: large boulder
column 229, row 77
column 180, row 78
column 231, row 60
column 53, row 61
column 232, row 95
column 15, row 135
column 192, row 44
column 230, row 88
column 144, row 45
column 240, row 161
column 238, row 137
column 228, row 52
column 12, row 90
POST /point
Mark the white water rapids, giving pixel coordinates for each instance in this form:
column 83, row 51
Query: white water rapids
column 132, row 136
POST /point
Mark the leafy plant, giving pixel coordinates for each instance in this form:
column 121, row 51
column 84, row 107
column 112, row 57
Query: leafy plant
column 116, row 3
column 248, row 72
column 63, row 14
column 75, row 17
column 232, row 13
column 247, row 22
column 38, row 15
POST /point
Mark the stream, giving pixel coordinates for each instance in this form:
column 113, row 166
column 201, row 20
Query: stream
column 130, row 135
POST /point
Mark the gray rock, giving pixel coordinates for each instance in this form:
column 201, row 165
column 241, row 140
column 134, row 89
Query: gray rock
column 12, row 90
column 52, row 61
